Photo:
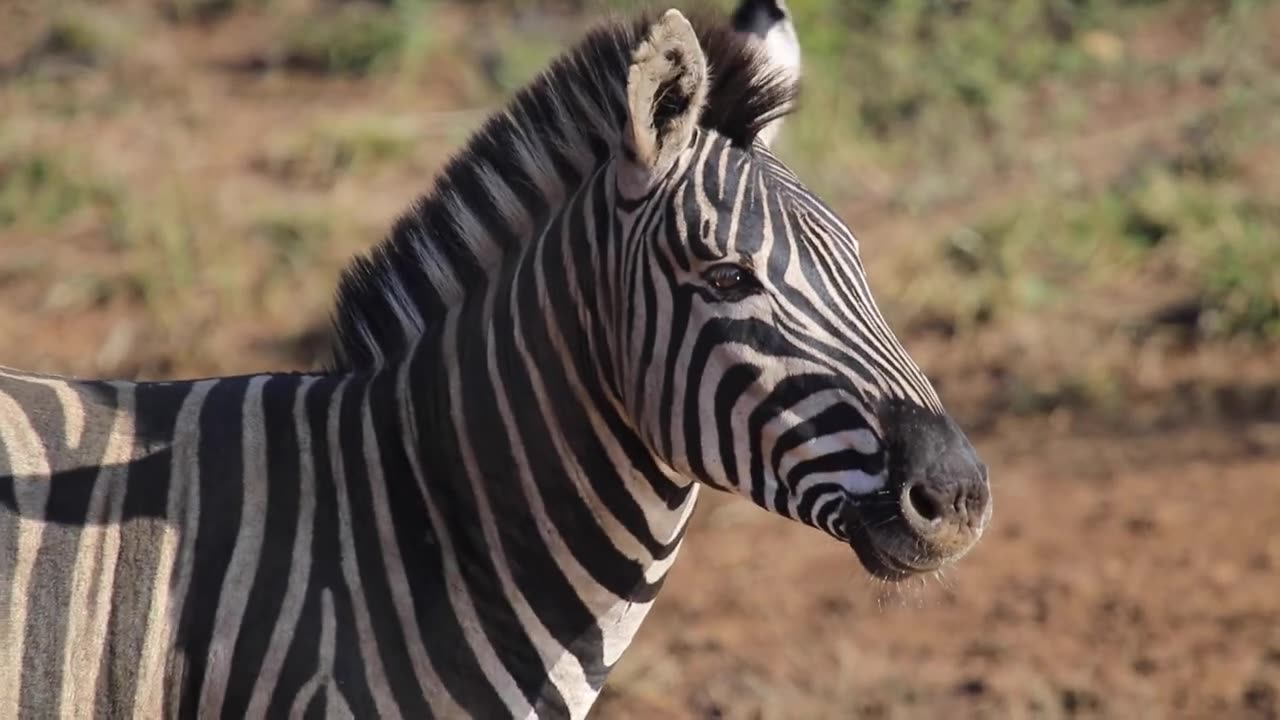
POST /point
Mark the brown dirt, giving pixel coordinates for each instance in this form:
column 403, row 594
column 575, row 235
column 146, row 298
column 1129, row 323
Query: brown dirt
column 1126, row 575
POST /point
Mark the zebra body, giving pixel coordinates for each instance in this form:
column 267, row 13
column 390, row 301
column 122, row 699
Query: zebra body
column 614, row 296
column 212, row 544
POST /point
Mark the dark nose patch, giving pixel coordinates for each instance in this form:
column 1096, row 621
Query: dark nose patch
column 943, row 483
column 953, row 489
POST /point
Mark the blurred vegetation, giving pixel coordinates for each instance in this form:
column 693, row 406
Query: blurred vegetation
column 79, row 34
column 350, row 38
column 40, row 190
column 1087, row 168
column 324, row 152
column 204, row 10
column 1172, row 227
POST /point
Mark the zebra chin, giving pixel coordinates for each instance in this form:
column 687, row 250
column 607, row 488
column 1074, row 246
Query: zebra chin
column 879, row 557
column 912, row 534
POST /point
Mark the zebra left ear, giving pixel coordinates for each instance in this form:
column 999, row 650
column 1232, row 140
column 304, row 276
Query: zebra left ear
column 666, row 91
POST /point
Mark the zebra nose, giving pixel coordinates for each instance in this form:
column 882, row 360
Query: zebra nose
column 937, row 501
column 945, row 497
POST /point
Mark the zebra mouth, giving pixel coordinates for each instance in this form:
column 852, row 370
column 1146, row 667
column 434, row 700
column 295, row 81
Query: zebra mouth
column 874, row 541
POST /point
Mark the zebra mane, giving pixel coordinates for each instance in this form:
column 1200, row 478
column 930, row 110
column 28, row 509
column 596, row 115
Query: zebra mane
column 517, row 170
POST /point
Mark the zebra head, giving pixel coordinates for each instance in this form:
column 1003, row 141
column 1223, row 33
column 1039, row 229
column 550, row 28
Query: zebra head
column 751, row 354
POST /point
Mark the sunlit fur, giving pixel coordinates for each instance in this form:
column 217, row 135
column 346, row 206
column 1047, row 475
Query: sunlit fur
column 775, row 394
column 470, row 515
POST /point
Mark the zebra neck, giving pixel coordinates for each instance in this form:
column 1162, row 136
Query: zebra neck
column 563, row 521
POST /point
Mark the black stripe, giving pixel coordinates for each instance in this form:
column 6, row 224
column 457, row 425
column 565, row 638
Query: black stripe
column 412, row 538
column 348, row 662
column 451, row 655
column 69, row 492
column 304, row 650
column 645, row 280
column 732, row 386
column 376, row 589
column 8, row 518
column 145, row 504
column 221, row 465
column 681, row 312
column 280, row 528
column 302, row 659
column 492, row 453
column 613, row 571
column 318, row 707
column 537, row 573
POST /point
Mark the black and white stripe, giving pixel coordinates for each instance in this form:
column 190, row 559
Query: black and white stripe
column 614, row 295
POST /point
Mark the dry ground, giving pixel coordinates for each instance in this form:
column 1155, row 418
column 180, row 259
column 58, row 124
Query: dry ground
column 1133, row 569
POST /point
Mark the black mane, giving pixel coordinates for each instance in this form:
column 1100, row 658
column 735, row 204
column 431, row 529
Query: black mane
column 569, row 119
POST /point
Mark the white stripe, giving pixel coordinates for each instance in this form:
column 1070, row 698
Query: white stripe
column 323, row 676
column 174, row 558
column 70, row 401
column 374, row 673
column 625, row 542
column 565, row 670
column 244, row 554
column 429, row 683
column 282, row 634
column 468, row 619
column 93, row 575
column 30, row 470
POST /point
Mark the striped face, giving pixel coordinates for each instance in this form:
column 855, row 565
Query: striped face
column 755, row 361
column 744, row 340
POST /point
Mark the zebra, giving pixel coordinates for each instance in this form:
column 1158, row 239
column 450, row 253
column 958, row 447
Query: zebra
column 613, row 296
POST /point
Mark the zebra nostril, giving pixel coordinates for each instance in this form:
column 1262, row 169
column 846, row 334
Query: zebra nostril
column 925, row 504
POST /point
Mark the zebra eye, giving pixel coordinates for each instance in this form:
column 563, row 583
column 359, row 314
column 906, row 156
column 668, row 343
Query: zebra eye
column 727, row 277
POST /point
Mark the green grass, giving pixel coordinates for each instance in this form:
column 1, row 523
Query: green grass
column 1193, row 223
column 162, row 237
column 291, row 239
column 355, row 38
column 939, row 89
column 86, row 34
column 1191, row 238
column 40, row 190
column 332, row 148
column 358, row 38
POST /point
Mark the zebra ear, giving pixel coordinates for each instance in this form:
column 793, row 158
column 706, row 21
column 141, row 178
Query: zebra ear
column 767, row 23
column 666, row 91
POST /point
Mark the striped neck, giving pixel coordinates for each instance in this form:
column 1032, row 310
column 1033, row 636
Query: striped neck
column 561, row 521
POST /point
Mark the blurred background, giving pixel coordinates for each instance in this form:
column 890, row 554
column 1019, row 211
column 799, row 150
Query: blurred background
column 1069, row 210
